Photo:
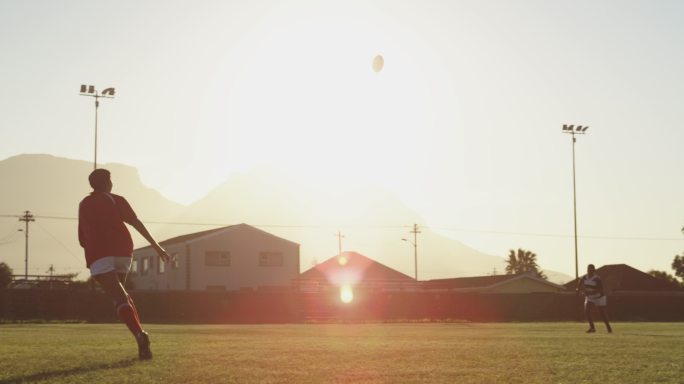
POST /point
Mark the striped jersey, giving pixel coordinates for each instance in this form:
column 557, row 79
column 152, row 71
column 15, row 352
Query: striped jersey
column 593, row 286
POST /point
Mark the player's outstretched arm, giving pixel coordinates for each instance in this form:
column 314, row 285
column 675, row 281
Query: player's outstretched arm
column 140, row 227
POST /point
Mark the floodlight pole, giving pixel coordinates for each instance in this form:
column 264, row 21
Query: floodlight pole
column 97, row 105
column 90, row 91
column 580, row 130
column 574, row 205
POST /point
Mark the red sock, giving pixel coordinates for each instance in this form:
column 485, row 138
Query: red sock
column 127, row 315
column 135, row 310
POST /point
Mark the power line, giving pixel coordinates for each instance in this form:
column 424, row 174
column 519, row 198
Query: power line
column 438, row 228
column 57, row 217
column 10, row 237
column 60, row 243
column 533, row 234
column 286, row 226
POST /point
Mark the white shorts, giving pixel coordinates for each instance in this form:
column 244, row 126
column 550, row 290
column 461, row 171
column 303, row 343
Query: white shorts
column 120, row 264
column 598, row 301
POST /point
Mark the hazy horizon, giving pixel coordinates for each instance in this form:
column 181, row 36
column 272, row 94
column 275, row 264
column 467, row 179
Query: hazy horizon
column 463, row 124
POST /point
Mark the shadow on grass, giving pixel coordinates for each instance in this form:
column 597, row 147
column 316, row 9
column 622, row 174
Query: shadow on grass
column 68, row 372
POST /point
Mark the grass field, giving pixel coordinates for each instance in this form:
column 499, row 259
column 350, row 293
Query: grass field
column 345, row 353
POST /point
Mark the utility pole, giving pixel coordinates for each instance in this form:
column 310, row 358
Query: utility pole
column 415, row 232
column 51, row 270
column 339, row 236
column 28, row 217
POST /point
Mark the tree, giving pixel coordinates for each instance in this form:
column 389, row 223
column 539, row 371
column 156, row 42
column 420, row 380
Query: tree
column 5, row 275
column 665, row 276
column 522, row 262
column 678, row 265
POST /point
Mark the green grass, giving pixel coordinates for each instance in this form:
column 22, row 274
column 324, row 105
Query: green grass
column 345, row 353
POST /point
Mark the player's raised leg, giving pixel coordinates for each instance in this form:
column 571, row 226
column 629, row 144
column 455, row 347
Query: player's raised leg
column 126, row 311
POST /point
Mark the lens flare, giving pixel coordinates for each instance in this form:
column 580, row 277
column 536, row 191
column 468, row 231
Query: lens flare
column 346, row 294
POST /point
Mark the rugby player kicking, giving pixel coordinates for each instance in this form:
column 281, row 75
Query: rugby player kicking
column 108, row 249
column 594, row 296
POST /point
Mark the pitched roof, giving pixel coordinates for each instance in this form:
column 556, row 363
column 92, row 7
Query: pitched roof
column 351, row 268
column 197, row 235
column 466, row 283
column 191, row 236
column 622, row 277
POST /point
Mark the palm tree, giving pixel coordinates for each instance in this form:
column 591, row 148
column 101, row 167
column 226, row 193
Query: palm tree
column 522, row 262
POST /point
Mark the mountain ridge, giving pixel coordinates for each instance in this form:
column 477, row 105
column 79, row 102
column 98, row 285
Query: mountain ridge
column 309, row 211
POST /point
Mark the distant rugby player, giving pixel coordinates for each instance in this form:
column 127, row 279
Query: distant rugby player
column 108, row 249
column 594, row 296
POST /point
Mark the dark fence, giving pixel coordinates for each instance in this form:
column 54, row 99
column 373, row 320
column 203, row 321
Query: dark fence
column 287, row 306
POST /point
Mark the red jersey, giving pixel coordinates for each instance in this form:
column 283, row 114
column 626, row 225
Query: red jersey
column 101, row 228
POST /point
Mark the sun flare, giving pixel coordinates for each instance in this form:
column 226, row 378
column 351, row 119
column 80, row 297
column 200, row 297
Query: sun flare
column 346, row 294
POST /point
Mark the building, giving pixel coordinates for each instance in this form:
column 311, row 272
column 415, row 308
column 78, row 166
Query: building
column 623, row 278
column 351, row 269
column 520, row 283
column 236, row 257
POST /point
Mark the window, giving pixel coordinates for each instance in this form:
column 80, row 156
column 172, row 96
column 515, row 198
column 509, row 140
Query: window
column 161, row 265
column 270, row 259
column 145, row 265
column 134, row 266
column 175, row 262
column 217, row 259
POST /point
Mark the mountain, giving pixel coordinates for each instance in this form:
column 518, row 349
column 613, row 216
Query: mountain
column 309, row 211
column 51, row 188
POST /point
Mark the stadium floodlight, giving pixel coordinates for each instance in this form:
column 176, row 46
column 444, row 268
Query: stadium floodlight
column 89, row 90
column 580, row 130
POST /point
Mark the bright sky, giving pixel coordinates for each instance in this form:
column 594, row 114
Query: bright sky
column 463, row 123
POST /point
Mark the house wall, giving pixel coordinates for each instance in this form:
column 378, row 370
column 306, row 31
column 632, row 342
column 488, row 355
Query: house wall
column 244, row 244
column 173, row 277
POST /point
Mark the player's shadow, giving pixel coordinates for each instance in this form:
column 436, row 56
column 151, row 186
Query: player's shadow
column 68, row 372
